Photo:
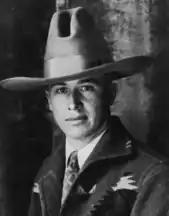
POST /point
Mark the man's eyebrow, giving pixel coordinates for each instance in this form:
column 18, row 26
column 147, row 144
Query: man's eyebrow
column 58, row 84
column 89, row 80
column 50, row 86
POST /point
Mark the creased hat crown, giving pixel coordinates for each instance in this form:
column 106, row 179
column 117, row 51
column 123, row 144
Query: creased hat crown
column 73, row 32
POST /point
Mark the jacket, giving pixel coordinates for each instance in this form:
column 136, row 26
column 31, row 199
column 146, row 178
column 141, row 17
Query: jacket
column 119, row 178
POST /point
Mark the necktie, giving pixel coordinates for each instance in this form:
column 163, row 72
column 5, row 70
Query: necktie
column 71, row 173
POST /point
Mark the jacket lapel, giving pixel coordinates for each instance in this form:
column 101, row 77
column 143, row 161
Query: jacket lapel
column 50, row 179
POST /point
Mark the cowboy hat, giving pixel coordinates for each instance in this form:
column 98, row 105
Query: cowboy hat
column 76, row 49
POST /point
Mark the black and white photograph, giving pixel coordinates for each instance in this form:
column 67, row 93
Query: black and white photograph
column 84, row 115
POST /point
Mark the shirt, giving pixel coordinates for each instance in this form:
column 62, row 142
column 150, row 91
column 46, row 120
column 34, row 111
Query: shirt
column 84, row 152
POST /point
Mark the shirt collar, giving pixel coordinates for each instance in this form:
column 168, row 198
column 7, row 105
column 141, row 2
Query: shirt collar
column 85, row 151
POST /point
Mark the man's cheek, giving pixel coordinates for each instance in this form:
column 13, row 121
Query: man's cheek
column 93, row 101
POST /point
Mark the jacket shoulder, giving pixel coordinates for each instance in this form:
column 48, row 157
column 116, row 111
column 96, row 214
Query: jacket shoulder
column 146, row 163
column 57, row 156
column 148, row 154
column 44, row 168
column 156, row 163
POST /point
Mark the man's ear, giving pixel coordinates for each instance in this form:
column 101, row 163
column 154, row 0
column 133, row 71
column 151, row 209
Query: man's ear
column 49, row 106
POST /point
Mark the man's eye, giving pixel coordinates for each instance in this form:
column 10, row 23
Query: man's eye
column 62, row 90
column 86, row 88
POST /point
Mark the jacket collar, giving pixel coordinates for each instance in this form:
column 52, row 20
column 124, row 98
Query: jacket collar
column 115, row 143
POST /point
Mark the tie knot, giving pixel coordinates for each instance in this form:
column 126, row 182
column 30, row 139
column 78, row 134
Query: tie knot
column 73, row 162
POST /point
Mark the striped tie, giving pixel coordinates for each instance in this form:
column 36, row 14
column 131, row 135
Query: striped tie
column 71, row 173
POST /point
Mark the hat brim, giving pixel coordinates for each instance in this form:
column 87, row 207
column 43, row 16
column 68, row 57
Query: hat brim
column 116, row 70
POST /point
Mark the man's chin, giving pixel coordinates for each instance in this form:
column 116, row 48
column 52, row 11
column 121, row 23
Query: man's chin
column 76, row 134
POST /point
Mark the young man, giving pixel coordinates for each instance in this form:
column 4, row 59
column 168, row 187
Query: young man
column 97, row 168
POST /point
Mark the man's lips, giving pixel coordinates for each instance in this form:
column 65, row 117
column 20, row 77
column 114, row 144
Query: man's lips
column 77, row 118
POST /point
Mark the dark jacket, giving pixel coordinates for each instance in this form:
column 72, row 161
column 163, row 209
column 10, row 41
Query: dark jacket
column 119, row 178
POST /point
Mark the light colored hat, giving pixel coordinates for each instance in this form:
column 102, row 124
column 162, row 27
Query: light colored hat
column 74, row 41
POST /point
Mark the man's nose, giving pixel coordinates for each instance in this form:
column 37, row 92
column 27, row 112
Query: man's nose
column 75, row 102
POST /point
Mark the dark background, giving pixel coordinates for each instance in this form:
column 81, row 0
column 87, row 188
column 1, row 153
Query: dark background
column 24, row 131
column 142, row 101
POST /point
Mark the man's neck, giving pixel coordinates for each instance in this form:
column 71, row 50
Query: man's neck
column 81, row 143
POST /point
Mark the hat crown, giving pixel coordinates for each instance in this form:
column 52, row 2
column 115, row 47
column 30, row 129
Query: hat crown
column 68, row 23
column 73, row 32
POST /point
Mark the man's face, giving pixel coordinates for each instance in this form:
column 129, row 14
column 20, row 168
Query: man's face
column 77, row 106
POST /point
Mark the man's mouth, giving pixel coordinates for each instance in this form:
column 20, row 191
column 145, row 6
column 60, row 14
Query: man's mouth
column 77, row 118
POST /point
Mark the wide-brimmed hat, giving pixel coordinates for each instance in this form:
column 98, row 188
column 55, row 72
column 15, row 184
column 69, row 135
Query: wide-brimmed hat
column 76, row 49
